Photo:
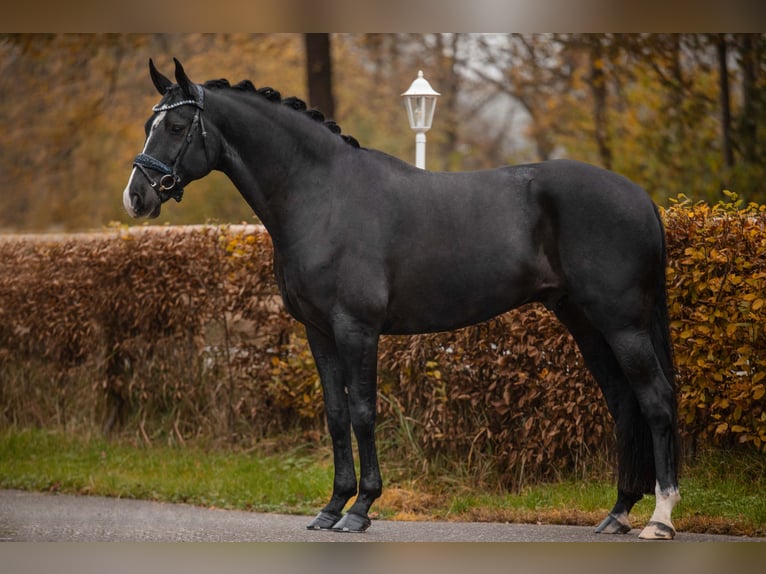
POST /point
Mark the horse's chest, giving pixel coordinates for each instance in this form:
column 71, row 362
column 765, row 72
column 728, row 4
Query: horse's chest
column 306, row 291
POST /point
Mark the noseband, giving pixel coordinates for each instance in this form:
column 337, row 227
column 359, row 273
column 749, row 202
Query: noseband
column 167, row 186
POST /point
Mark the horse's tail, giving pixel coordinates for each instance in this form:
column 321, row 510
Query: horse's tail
column 637, row 471
column 660, row 333
column 660, row 319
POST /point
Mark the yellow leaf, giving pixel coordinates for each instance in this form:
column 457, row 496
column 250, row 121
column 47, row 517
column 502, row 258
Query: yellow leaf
column 737, row 413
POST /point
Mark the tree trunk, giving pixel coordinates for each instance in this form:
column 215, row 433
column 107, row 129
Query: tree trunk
column 723, row 72
column 749, row 123
column 319, row 73
column 449, row 86
column 599, row 90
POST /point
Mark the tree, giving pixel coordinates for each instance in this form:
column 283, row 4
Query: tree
column 723, row 72
column 751, row 61
column 319, row 73
column 653, row 107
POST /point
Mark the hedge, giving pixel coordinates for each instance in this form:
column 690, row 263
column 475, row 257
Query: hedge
column 717, row 304
column 179, row 333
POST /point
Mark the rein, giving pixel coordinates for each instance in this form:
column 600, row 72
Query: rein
column 167, row 186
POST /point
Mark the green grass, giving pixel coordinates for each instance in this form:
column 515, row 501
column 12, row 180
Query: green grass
column 40, row 460
column 722, row 492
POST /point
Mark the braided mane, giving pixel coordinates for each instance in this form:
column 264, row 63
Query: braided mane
column 274, row 96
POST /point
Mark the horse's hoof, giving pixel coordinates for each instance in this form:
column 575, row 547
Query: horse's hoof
column 352, row 522
column 614, row 524
column 657, row 531
column 324, row 521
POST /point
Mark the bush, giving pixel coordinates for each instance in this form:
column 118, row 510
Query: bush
column 177, row 327
column 174, row 333
column 511, row 394
column 717, row 300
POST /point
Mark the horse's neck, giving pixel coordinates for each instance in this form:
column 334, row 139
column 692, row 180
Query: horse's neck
column 268, row 153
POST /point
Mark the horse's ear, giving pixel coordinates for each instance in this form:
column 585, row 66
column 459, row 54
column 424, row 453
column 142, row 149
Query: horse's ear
column 160, row 82
column 183, row 80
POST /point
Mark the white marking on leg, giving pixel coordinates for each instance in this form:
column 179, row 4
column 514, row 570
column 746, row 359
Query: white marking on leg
column 660, row 525
column 666, row 500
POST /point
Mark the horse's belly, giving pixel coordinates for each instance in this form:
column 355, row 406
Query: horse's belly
column 424, row 310
column 415, row 325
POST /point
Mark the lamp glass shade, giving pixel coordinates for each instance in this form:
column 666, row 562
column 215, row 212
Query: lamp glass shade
column 420, row 101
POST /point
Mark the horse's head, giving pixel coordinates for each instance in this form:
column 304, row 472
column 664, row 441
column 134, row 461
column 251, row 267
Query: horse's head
column 176, row 151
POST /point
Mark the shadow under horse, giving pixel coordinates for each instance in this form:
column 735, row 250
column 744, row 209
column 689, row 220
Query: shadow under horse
column 366, row 244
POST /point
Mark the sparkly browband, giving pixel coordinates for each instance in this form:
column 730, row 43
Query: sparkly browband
column 199, row 102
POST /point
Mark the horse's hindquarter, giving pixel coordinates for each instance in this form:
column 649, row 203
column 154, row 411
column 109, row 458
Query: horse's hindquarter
column 608, row 239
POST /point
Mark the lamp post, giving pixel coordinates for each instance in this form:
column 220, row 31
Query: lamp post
column 420, row 101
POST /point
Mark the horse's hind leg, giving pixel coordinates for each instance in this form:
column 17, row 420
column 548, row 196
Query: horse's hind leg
column 635, row 461
column 635, row 353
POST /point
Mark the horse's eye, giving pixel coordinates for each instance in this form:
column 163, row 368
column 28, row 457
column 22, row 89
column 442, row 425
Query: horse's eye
column 177, row 129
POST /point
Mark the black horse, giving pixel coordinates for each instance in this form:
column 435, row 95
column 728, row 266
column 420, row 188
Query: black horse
column 365, row 244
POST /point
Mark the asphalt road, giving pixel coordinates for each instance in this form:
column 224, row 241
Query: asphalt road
column 39, row 517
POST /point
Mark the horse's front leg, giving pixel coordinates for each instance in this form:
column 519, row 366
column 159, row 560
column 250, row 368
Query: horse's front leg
column 358, row 349
column 330, row 370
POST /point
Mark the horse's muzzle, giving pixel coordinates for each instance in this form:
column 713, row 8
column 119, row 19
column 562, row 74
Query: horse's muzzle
column 139, row 202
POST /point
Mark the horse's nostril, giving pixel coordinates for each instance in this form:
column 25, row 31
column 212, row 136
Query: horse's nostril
column 136, row 202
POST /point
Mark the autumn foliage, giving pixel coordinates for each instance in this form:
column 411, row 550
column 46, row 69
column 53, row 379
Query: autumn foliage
column 717, row 283
column 176, row 333
column 676, row 112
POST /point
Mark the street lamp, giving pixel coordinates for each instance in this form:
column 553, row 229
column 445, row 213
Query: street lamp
column 420, row 101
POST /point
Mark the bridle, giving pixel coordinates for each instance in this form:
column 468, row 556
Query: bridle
column 167, row 186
